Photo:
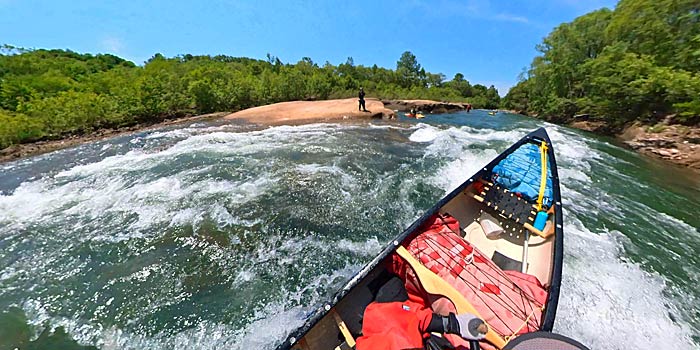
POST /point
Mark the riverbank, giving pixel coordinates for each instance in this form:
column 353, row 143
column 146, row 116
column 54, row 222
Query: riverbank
column 295, row 112
column 675, row 143
column 24, row 150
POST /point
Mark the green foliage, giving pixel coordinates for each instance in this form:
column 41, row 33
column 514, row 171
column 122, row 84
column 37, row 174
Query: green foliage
column 17, row 128
column 72, row 112
column 517, row 98
column 52, row 93
column 638, row 62
column 408, row 70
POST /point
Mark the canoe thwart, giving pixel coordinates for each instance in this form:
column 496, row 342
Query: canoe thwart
column 344, row 329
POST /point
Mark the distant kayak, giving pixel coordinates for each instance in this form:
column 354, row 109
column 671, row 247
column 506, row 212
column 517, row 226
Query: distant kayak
column 492, row 113
column 417, row 116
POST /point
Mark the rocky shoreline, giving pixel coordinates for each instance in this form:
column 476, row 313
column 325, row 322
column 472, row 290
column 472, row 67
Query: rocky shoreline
column 679, row 144
column 675, row 143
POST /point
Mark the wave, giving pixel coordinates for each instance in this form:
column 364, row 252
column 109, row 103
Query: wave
column 275, row 219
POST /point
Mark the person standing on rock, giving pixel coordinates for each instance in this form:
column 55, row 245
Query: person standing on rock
column 361, row 95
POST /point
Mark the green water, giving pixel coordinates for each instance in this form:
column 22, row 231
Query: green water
column 226, row 236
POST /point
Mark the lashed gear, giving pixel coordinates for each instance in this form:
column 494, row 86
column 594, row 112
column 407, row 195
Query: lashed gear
column 510, row 302
column 521, row 171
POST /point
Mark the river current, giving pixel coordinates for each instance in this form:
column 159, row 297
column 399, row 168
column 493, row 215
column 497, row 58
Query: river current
column 213, row 235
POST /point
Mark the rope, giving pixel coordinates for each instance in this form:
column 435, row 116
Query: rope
column 508, row 338
column 543, row 181
column 505, row 302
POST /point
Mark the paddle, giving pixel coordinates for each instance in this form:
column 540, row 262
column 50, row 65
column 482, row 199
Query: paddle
column 434, row 284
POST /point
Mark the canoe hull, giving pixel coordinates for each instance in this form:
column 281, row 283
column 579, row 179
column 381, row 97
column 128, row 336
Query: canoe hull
column 321, row 329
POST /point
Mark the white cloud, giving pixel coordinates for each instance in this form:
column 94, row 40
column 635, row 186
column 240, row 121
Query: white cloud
column 510, row 18
column 470, row 8
column 112, row 45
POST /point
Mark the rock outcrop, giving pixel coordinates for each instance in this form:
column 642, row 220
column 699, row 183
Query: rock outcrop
column 425, row 106
column 296, row 112
column 678, row 144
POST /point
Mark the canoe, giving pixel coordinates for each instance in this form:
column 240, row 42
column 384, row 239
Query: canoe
column 492, row 247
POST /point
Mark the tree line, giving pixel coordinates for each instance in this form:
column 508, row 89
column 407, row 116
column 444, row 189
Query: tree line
column 640, row 61
column 46, row 94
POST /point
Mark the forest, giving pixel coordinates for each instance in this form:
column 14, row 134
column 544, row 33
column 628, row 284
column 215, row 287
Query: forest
column 638, row 62
column 51, row 94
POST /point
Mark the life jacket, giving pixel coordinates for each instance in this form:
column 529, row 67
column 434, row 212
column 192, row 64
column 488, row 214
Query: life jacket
column 396, row 325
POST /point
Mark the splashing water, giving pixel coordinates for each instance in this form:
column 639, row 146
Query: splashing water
column 215, row 235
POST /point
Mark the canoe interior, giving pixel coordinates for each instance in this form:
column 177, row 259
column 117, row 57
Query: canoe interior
column 338, row 320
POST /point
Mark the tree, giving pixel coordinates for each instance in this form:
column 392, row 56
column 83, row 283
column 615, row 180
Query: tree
column 494, row 100
column 461, row 85
column 517, row 98
column 435, row 80
column 52, row 93
column 638, row 62
column 408, row 69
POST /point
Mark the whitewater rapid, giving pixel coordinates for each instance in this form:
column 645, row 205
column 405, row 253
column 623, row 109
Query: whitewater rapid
column 214, row 236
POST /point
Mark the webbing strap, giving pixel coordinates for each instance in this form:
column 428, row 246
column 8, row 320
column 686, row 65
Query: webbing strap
column 543, row 180
column 434, row 284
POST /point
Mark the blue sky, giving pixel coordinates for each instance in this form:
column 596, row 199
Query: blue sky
column 489, row 41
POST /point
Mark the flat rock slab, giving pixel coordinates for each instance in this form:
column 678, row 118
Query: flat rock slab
column 428, row 106
column 297, row 112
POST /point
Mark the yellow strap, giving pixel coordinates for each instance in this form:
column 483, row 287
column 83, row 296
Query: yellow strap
column 434, row 284
column 344, row 329
column 543, row 180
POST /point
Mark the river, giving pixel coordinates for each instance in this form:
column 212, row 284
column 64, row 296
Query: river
column 213, row 235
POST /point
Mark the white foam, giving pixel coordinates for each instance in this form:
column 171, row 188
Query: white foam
column 348, row 182
column 610, row 304
column 370, row 247
column 456, row 147
column 390, row 127
column 425, row 133
column 456, row 172
column 606, row 301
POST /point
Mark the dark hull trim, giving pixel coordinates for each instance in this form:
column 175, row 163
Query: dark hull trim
column 553, row 298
